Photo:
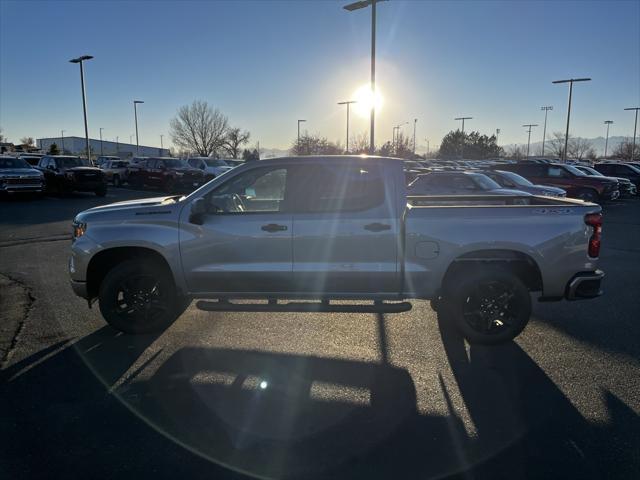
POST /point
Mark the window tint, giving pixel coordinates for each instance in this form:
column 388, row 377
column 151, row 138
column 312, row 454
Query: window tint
column 258, row 190
column 557, row 172
column 348, row 188
column 623, row 170
column 152, row 164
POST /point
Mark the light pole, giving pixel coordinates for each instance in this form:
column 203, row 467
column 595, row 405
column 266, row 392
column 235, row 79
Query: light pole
column 161, row 145
column 131, row 138
column 348, row 104
column 544, row 130
column 530, row 125
column 396, row 135
column 497, row 133
column 62, row 136
column 462, row 145
column 117, row 146
column 606, row 142
column 635, row 128
column 299, row 122
column 356, row 6
column 415, row 120
column 101, row 140
column 135, row 114
column 79, row 60
column 566, row 135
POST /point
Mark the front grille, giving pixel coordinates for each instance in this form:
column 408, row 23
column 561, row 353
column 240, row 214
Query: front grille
column 22, row 181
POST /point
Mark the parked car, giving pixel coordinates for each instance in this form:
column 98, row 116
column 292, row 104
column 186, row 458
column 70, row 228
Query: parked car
column 212, row 167
column 169, row 174
column 65, row 174
column 457, row 183
column 567, row 177
column 624, row 185
column 116, row 171
column 332, row 228
column 514, row 181
column 625, row 170
column 104, row 159
column 17, row 176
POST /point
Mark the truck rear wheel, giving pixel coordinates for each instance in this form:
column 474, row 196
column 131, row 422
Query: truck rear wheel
column 138, row 296
column 487, row 307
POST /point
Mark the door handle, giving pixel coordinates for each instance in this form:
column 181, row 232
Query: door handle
column 377, row 227
column 274, row 227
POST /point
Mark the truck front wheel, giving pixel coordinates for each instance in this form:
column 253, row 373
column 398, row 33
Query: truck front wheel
column 139, row 296
column 487, row 307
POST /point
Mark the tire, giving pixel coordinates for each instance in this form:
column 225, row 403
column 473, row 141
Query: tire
column 488, row 307
column 139, row 296
column 116, row 181
column 101, row 192
column 587, row 195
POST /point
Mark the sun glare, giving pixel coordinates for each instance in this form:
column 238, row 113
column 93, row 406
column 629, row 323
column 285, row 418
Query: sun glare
column 366, row 99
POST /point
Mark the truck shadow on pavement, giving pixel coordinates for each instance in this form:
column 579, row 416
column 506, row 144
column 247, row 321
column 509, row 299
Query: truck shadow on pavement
column 294, row 416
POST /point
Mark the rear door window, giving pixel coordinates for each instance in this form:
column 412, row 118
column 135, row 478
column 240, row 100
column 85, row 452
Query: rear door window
column 338, row 188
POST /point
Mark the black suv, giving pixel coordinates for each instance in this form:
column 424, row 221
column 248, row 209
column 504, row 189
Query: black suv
column 65, row 174
column 630, row 172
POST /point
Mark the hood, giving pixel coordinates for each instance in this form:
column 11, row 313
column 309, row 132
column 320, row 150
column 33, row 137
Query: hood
column 591, row 179
column 506, row 191
column 549, row 190
column 187, row 170
column 127, row 206
column 30, row 172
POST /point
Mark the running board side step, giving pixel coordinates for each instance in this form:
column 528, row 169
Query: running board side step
column 273, row 306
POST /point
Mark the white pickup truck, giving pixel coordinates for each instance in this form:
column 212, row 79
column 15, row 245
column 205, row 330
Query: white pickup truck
column 332, row 229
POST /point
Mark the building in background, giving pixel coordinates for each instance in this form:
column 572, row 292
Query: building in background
column 76, row 146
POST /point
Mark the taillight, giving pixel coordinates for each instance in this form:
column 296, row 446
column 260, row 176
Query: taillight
column 594, row 220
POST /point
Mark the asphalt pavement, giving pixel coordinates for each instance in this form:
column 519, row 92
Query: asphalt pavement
column 306, row 395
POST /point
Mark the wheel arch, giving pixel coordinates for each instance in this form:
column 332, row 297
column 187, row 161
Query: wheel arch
column 519, row 263
column 102, row 262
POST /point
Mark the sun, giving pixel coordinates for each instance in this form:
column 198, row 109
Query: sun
column 365, row 100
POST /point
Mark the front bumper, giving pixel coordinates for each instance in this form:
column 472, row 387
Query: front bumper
column 79, row 288
column 11, row 188
column 585, row 285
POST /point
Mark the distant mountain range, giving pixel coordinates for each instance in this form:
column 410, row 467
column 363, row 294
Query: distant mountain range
column 597, row 143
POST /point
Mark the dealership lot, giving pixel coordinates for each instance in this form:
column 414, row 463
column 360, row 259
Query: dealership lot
column 339, row 395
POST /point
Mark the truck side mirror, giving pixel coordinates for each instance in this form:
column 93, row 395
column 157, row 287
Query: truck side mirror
column 198, row 211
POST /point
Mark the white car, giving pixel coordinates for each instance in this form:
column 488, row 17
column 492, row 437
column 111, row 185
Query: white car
column 212, row 167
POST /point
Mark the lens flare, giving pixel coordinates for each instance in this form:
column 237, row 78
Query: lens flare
column 366, row 99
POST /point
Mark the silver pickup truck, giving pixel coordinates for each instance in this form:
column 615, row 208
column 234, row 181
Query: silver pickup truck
column 275, row 234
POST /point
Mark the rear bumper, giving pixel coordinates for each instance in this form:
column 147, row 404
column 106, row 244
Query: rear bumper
column 585, row 285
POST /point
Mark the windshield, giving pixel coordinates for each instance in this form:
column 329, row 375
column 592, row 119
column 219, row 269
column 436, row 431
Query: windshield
column 216, row 163
column 517, row 179
column 69, row 162
column 13, row 163
column 484, row 182
column 591, row 171
column 174, row 163
column 575, row 170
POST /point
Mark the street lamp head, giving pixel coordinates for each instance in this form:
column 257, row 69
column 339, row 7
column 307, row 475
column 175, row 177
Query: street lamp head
column 572, row 80
column 138, row 101
column 633, row 108
column 608, row 122
column 347, row 102
column 463, row 118
column 81, row 59
column 546, row 108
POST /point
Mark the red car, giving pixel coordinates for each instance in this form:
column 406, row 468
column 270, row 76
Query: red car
column 168, row 174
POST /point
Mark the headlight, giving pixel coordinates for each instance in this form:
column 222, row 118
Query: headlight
column 79, row 229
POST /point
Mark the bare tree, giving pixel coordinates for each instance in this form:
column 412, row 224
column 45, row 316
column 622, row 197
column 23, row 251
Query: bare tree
column 234, row 139
column 516, row 152
column 199, row 128
column 28, row 141
column 556, row 144
column 315, row 145
column 359, row 143
column 578, row 148
column 623, row 150
column 2, row 137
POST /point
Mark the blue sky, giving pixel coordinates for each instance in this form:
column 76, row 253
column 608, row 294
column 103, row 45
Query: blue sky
column 265, row 64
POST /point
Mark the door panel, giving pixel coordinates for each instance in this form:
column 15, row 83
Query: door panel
column 345, row 232
column 234, row 253
column 243, row 243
